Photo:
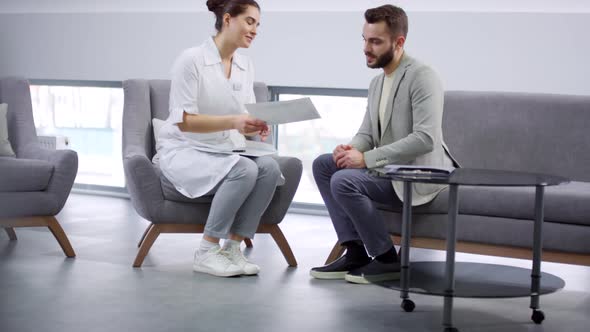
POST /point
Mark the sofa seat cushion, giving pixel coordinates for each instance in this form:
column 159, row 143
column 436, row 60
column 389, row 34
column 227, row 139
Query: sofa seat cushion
column 20, row 175
column 567, row 203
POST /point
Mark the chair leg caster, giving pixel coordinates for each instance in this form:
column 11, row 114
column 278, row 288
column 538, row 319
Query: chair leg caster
column 538, row 316
column 408, row 305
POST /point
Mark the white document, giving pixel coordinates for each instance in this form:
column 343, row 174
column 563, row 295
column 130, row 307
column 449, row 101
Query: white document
column 250, row 149
column 257, row 149
column 278, row 112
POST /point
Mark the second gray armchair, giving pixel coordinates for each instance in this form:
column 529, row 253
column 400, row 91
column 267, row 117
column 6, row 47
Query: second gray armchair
column 156, row 200
column 35, row 182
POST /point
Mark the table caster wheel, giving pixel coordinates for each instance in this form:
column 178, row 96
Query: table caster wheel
column 408, row 305
column 451, row 329
column 538, row 316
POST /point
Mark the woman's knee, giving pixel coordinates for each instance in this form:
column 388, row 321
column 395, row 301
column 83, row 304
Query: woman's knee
column 246, row 169
column 268, row 166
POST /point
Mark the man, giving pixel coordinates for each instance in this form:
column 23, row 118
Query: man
column 402, row 125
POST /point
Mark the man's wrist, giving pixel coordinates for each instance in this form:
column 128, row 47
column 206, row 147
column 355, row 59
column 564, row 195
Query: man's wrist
column 370, row 159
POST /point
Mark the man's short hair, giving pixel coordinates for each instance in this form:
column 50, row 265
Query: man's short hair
column 395, row 18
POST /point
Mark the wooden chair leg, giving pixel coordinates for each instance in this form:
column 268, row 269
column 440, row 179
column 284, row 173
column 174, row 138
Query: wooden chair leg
column 146, row 245
column 281, row 241
column 60, row 236
column 248, row 242
column 144, row 234
column 336, row 252
column 11, row 233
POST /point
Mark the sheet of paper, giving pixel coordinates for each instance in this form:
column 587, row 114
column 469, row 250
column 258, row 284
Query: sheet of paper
column 250, row 148
column 258, row 149
column 278, row 112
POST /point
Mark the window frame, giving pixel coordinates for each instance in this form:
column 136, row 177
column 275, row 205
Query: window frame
column 274, row 92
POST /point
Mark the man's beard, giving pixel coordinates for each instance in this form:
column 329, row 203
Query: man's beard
column 383, row 60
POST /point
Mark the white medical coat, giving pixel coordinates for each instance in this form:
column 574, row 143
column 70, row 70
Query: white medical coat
column 199, row 86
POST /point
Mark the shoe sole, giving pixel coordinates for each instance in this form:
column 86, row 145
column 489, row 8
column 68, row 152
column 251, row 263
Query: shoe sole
column 328, row 275
column 217, row 273
column 372, row 279
column 250, row 274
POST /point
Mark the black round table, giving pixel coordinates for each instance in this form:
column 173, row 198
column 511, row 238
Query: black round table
column 472, row 177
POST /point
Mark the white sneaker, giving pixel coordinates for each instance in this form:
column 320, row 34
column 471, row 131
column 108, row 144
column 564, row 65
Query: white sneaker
column 216, row 262
column 236, row 257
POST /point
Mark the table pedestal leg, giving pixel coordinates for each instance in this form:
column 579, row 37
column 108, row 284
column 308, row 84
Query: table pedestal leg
column 450, row 262
column 538, row 316
column 407, row 304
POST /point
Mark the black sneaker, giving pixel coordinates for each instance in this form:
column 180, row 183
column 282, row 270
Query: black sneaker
column 375, row 271
column 338, row 268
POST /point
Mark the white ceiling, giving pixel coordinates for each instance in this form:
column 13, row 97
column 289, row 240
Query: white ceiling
column 536, row 6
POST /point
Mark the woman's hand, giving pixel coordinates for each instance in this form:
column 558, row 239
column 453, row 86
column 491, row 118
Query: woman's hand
column 246, row 124
column 264, row 134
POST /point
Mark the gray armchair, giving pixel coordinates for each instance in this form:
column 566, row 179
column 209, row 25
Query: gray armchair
column 35, row 184
column 156, row 199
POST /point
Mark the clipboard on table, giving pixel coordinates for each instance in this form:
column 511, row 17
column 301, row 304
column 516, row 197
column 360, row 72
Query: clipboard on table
column 418, row 171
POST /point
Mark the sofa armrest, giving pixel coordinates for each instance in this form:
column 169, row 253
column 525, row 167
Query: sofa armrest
column 143, row 185
column 291, row 168
column 65, row 164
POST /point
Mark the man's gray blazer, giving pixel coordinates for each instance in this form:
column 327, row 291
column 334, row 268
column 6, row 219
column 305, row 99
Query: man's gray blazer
column 411, row 132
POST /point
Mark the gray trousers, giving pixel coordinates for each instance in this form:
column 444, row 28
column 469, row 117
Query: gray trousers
column 350, row 196
column 242, row 197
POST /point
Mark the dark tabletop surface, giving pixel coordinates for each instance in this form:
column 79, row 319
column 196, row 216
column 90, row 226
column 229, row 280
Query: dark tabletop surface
column 487, row 177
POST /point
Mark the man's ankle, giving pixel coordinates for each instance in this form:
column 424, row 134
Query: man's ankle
column 387, row 257
column 355, row 250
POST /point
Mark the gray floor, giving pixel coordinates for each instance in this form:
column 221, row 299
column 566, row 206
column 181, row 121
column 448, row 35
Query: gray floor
column 99, row 291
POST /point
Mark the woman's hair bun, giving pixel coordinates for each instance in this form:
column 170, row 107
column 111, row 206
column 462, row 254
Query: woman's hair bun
column 215, row 5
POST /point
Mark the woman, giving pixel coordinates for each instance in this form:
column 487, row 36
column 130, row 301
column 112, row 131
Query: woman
column 210, row 85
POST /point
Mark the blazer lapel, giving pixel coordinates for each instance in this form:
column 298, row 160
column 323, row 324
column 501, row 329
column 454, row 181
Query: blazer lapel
column 399, row 74
column 375, row 110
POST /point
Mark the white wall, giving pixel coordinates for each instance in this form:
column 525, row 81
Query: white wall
column 93, row 6
column 530, row 48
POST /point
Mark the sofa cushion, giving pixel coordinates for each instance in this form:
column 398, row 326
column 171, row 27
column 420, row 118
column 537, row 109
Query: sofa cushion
column 5, row 147
column 539, row 133
column 566, row 203
column 24, row 174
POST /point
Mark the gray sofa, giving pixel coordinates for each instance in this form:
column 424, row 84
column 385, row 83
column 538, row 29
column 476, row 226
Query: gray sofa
column 155, row 198
column 539, row 133
column 36, row 182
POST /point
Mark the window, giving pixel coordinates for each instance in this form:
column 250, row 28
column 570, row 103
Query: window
column 90, row 118
column 341, row 118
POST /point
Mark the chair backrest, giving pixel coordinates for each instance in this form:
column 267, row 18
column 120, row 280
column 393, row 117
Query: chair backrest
column 16, row 93
column 148, row 99
column 519, row 131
